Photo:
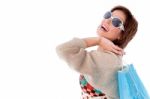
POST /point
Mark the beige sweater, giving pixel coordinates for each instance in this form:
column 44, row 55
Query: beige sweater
column 98, row 66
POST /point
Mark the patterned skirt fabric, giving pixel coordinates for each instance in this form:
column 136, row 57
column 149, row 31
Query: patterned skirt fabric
column 89, row 92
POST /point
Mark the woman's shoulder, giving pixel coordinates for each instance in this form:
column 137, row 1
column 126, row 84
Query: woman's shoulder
column 106, row 55
column 99, row 50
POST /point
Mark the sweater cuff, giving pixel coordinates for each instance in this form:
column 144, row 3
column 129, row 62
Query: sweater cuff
column 80, row 42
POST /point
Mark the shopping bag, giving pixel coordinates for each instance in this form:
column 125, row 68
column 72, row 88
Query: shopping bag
column 130, row 85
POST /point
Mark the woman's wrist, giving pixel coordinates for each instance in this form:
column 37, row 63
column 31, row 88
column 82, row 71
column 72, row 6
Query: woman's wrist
column 99, row 40
column 91, row 41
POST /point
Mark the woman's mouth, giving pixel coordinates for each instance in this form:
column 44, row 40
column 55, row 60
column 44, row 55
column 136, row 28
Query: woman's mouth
column 104, row 28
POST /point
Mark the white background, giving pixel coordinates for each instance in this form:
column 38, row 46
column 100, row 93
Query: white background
column 31, row 29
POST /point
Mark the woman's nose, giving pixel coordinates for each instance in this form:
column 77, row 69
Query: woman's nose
column 108, row 21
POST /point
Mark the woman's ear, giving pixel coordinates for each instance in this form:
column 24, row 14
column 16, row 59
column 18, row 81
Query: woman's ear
column 119, row 36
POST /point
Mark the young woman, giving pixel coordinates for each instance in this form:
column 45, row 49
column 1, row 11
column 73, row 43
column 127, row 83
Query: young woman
column 98, row 68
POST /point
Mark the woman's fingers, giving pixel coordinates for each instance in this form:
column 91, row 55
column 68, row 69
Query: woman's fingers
column 118, row 50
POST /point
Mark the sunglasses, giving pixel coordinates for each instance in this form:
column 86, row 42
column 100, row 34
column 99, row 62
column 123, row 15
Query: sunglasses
column 116, row 22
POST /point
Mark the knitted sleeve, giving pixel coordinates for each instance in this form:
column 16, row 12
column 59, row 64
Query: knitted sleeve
column 78, row 58
column 74, row 53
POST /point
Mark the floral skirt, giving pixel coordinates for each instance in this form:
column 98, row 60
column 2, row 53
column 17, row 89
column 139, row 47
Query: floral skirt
column 89, row 92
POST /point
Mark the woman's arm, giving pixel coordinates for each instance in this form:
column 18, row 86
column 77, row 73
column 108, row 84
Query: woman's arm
column 103, row 43
column 74, row 53
column 91, row 41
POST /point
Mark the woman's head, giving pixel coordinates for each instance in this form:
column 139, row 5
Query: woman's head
column 118, row 25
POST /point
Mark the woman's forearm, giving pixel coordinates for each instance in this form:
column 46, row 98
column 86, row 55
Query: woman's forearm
column 91, row 41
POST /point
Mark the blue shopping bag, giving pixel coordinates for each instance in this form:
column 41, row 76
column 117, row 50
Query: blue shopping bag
column 130, row 85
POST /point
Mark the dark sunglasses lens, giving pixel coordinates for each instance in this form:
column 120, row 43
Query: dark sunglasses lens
column 116, row 22
column 107, row 15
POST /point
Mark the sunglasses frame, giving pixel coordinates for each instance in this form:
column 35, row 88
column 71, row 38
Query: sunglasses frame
column 121, row 26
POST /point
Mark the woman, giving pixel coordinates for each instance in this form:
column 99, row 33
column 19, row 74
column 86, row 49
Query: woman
column 98, row 68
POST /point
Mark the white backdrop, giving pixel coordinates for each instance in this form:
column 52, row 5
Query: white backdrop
column 31, row 29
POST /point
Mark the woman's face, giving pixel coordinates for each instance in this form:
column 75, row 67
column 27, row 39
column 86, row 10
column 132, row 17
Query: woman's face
column 108, row 30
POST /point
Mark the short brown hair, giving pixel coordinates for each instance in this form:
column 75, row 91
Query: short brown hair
column 130, row 27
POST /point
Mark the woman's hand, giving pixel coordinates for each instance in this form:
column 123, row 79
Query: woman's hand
column 106, row 44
